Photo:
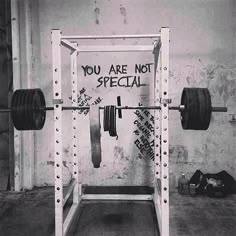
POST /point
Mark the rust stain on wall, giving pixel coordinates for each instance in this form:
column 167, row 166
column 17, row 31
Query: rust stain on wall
column 123, row 13
column 51, row 163
column 66, row 150
column 188, row 79
column 179, row 152
column 97, row 13
column 234, row 132
column 202, row 151
column 118, row 152
column 226, row 86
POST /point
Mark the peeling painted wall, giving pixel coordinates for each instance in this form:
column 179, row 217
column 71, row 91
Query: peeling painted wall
column 202, row 54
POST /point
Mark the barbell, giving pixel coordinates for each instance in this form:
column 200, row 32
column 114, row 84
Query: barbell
column 28, row 109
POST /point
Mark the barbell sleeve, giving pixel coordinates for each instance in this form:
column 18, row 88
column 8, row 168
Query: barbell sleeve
column 219, row 109
column 49, row 108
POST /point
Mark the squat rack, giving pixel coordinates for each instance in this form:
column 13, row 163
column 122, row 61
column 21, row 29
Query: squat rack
column 160, row 49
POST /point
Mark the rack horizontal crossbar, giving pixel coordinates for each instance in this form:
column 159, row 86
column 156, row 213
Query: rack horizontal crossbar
column 125, row 197
column 116, row 48
column 125, row 36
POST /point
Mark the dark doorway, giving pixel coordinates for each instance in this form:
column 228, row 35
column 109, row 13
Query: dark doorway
column 6, row 130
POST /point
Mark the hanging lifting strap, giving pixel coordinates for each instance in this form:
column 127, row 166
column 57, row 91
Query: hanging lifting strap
column 95, row 135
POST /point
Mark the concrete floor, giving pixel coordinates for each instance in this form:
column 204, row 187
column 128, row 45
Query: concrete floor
column 32, row 213
column 113, row 218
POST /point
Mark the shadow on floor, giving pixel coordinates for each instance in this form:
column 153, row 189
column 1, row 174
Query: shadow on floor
column 32, row 214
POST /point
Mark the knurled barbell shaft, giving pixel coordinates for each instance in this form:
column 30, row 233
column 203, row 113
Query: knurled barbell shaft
column 65, row 108
column 122, row 108
column 178, row 108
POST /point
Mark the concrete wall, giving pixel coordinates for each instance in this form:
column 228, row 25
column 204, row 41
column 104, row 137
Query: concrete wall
column 202, row 54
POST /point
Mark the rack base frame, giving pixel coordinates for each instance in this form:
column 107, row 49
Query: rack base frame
column 160, row 198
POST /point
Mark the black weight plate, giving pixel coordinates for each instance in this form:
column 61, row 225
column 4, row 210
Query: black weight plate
column 205, row 108
column 16, row 109
column 106, row 118
column 195, row 115
column 28, row 109
column 119, row 104
column 186, row 113
column 112, row 128
column 14, row 105
column 197, row 112
column 39, row 114
column 209, row 108
column 193, row 108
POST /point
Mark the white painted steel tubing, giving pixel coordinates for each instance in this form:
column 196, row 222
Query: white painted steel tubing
column 125, row 36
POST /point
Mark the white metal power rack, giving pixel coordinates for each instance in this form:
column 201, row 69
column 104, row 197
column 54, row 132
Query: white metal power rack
column 160, row 49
